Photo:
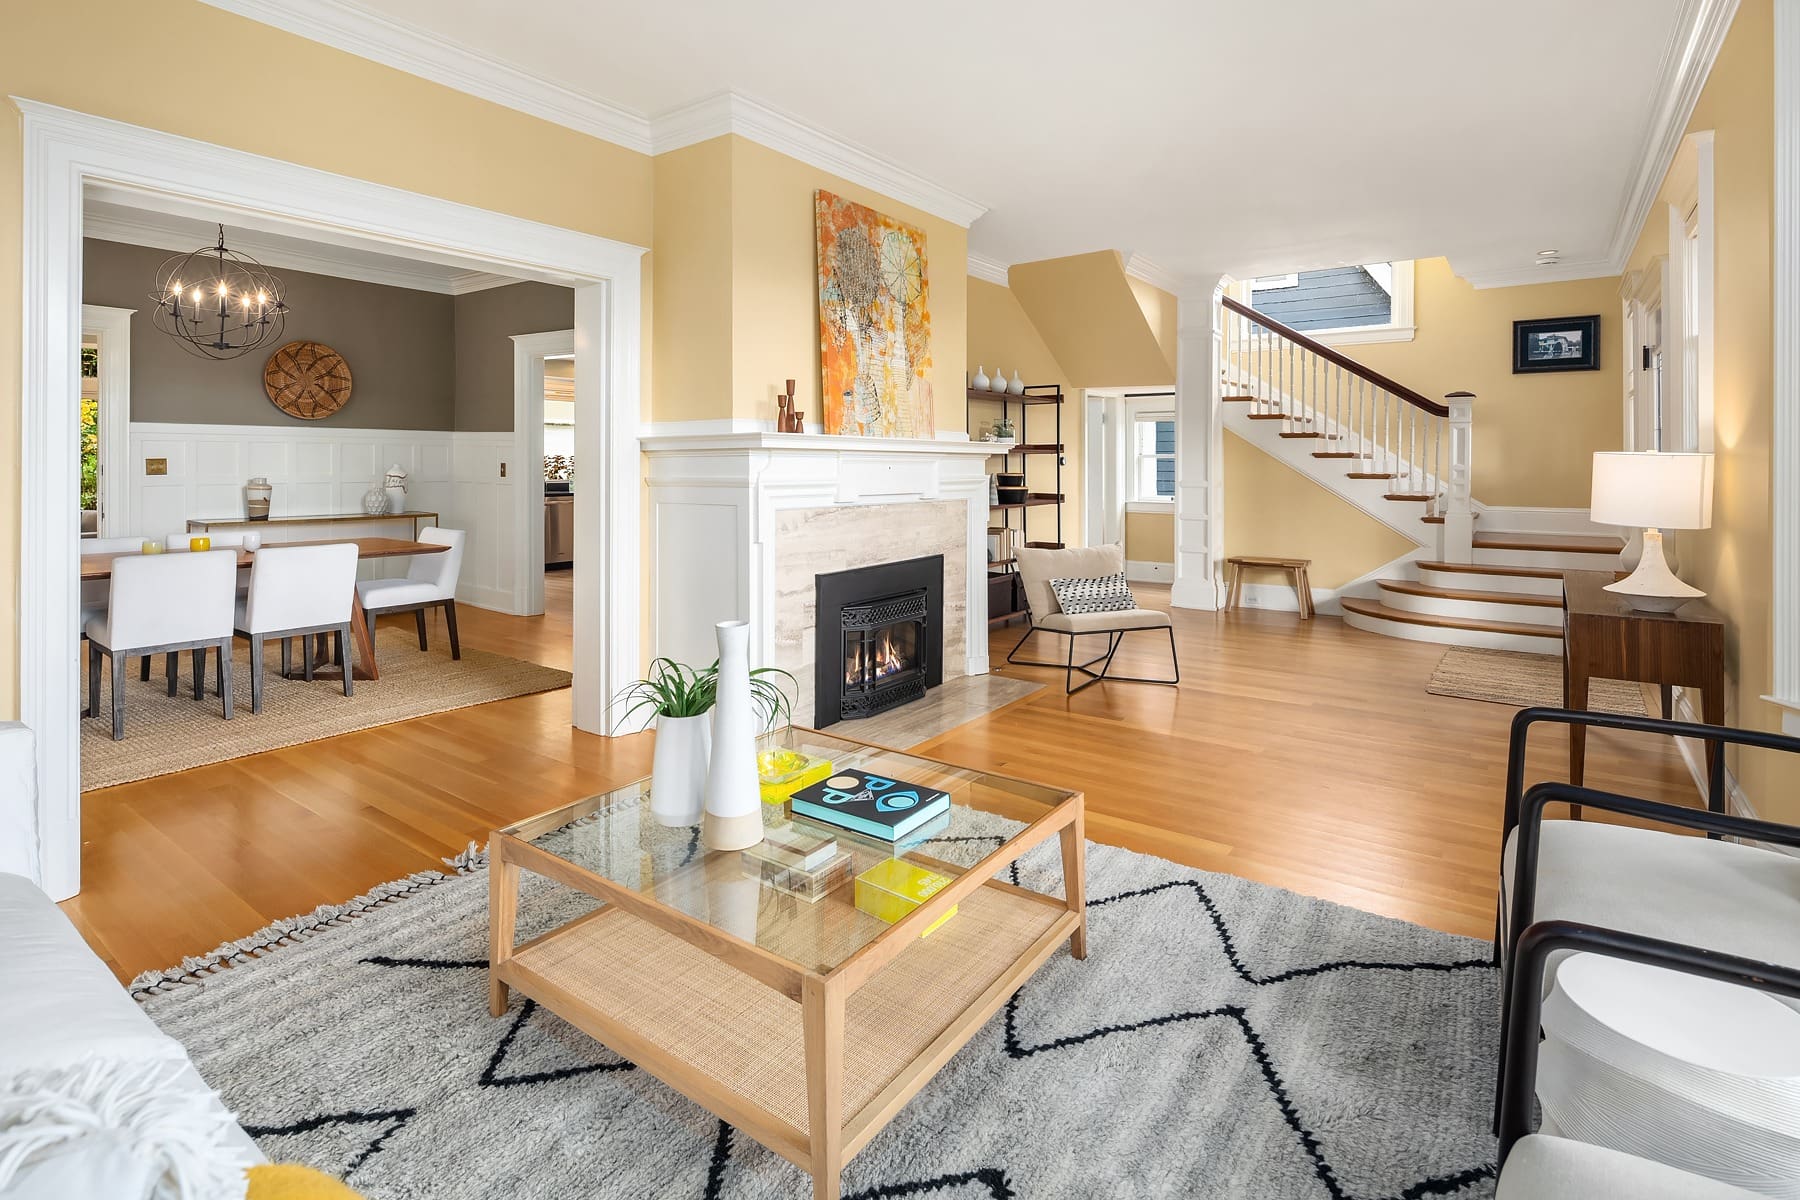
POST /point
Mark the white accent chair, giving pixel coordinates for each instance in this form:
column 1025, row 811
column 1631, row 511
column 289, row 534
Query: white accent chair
column 1037, row 566
column 1542, row 1167
column 297, row 591
column 163, row 604
column 430, row 583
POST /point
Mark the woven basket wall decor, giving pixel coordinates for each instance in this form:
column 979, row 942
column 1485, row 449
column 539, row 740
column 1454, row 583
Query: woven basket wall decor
column 308, row 380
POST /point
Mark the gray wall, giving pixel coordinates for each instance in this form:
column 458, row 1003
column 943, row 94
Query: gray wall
column 400, row 345
column 485, row 324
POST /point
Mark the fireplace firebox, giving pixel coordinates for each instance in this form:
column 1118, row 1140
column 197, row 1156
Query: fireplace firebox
column 880, row 638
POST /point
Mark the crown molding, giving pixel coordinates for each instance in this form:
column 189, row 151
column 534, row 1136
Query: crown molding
column 417, row 51
column 990, row 269
column 1152, row 273
column 733, row 112
column 1687, row 60
column 110, row 228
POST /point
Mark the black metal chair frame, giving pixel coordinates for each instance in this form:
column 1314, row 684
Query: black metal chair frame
column 1524, row 1007
column 1070, row 666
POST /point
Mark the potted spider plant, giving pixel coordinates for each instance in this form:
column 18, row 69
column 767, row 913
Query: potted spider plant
column 680, row 699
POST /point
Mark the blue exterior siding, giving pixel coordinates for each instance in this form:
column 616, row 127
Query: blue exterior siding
column 1335, row 298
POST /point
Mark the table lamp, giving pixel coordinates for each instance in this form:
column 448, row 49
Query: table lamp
column 1654, row 491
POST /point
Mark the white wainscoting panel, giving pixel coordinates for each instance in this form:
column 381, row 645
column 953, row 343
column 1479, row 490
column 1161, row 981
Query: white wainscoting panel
column 319, row 470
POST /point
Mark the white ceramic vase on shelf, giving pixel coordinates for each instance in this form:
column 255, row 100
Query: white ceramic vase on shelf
column 733, row 818
column 1017, row 386
column 678, row 769
column 998, row 382
column 980, row 382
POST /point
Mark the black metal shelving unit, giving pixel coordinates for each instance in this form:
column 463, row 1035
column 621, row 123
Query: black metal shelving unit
column 1005, row 603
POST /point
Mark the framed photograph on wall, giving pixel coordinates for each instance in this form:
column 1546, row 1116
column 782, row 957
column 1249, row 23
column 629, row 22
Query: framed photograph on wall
column 1556, row 344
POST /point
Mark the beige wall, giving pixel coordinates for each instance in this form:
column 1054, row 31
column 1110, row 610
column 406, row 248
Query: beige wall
column 1162, row 312
column 1534, row 434
column 691, row 271
column 1150, row 537
column 1731, row 560
column 1089, row 312
column 1272, row 509
column 775, row 287
column 1003, row 338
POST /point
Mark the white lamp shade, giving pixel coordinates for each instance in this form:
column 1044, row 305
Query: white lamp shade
column 1652, row 490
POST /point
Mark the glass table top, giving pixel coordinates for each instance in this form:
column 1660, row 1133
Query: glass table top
column 614, row 836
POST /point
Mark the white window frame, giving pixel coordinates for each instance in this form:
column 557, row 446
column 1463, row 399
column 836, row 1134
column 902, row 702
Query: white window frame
column 1138, row 412
column 1400, row 325
column 1275, row 283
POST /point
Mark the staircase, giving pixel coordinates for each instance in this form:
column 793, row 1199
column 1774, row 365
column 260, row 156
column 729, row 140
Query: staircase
column 1404, row 460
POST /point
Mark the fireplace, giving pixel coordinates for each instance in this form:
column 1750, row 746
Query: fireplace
column 880, row 638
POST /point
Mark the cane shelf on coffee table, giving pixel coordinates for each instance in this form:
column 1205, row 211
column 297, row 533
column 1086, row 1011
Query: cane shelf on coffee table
column 806, row 1025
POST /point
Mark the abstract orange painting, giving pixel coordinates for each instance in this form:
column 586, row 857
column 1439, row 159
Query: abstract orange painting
column 874, row 322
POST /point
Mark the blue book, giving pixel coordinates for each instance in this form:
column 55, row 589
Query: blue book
column 870, row 804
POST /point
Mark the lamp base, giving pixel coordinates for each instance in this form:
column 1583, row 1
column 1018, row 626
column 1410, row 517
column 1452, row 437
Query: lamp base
column 1653, row 587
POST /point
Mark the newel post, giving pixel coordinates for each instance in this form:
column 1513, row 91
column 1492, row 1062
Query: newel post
column 1459, row 504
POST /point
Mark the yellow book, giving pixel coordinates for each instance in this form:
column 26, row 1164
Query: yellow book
column 893, row 887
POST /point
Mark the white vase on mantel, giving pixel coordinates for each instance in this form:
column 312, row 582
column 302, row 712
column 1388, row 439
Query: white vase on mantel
column 980, row 382
column 733, row 819
column 678, row 769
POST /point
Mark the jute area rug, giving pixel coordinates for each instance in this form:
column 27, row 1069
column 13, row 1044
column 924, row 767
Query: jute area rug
column 1222, row 1039
column 164, row 733
column 1524, row 681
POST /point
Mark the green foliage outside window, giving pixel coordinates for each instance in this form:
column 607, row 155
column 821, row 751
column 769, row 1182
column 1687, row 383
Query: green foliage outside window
column 90, row 451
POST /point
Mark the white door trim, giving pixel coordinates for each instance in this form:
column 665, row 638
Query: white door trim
column 64, row 151
column 529, row 352
column 1784, row 449
column 111, row 330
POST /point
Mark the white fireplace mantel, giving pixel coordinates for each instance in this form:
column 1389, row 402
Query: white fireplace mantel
column 714, row 498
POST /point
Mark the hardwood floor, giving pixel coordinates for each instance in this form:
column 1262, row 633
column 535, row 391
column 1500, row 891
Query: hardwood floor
column 1306, row 755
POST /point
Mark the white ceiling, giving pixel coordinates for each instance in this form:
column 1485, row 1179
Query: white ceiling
column 117, row 214
column 1201, row 135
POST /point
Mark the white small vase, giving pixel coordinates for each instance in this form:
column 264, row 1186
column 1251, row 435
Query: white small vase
column 733, row 818
column 678, row 769
column 998, row 382
column 1017, row 386
column 396, row 497
column 980, row 382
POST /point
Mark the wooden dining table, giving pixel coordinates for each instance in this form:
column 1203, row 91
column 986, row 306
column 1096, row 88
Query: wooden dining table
column 362, row 658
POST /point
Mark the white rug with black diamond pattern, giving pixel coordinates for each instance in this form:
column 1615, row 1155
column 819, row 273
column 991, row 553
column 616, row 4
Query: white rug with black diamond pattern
column 1222, row 1039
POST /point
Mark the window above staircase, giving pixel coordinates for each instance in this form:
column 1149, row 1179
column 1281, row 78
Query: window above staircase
column 1340, row 306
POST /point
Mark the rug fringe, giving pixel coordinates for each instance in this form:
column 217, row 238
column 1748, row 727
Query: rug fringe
column 473, row 858
column 290, row 931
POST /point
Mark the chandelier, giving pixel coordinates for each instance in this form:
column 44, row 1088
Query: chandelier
column 217, row 302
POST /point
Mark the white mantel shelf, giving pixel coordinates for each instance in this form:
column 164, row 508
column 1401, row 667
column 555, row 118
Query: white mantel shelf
column 795, row 443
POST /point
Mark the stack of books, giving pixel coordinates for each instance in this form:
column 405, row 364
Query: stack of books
column 799, row 862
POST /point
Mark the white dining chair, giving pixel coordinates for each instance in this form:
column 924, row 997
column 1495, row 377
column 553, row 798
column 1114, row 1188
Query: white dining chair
column 163, row 604
column 298, row 591
column 94, row 591
column 430, row 583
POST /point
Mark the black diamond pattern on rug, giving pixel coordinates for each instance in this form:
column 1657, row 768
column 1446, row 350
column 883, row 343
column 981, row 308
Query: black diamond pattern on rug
column 356, row 1142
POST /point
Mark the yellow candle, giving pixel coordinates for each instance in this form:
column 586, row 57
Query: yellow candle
column 200, row 543
column 151, row 547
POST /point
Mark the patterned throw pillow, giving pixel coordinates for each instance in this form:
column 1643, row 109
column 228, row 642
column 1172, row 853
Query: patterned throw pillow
column 1109, row 593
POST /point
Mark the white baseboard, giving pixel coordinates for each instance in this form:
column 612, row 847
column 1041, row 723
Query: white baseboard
column 1693, row 753
column 1497, row 518
column 1149, row 572
column 493, row 599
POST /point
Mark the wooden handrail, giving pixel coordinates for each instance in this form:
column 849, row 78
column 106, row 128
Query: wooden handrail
column 1332, row 356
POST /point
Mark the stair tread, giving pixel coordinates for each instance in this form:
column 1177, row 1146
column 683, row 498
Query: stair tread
column 1338, row 454
column 1551, row 542
column 1370, row 474
column 1491, row 569
column 1407, row 496
column 1412, row 587
column 1237, row 399
column 1279, row 416
column 1374, row 608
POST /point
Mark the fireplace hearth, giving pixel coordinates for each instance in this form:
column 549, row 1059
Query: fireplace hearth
column 880, row 638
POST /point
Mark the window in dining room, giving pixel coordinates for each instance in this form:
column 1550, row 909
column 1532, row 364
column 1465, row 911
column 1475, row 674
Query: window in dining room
column 90, row 438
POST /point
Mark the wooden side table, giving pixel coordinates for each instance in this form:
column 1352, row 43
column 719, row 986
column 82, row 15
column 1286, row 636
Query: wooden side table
column 1295, row 567
column 1605, row 638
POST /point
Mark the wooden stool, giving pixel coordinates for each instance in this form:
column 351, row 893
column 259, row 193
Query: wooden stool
column 1295, row 567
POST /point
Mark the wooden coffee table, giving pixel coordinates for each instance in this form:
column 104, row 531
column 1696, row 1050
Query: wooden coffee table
column 807, row 1026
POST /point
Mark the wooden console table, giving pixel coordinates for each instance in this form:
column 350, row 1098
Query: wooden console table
column 1605, row 638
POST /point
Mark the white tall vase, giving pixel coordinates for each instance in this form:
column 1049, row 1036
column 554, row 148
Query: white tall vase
column 733, row 818
column 678, row 769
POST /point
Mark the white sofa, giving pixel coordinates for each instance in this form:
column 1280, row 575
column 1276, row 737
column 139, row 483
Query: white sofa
column 95, row 1100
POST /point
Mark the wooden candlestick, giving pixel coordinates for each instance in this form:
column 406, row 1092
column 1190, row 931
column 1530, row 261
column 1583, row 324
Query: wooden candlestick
column 787, row 419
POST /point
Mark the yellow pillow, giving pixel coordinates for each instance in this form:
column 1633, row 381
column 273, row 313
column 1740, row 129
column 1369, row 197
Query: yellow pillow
column 290, row 1181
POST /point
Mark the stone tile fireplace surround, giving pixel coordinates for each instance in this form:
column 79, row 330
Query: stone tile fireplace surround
column 741, row 523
